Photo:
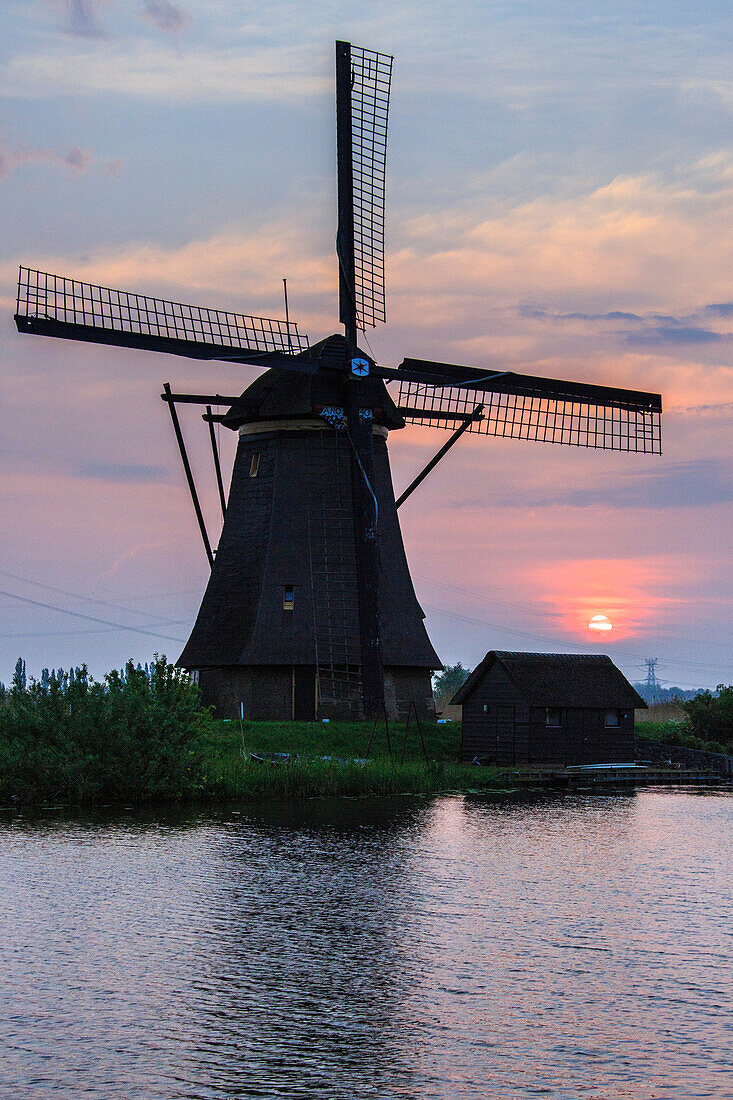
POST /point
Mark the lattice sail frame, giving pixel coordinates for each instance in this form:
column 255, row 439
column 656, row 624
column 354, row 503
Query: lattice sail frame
column 610, row 426
column 45, row 296
column 371, row 82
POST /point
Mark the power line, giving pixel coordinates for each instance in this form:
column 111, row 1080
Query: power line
column 623, row 655
column 66, row 633
column 89, row 618
column 88, row 599
column 529, row 609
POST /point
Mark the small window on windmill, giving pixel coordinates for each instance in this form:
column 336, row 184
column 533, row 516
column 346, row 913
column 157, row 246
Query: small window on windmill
column 486, row 708
column 611, row 718
column 254, row 464
column 552, row 716
column 288, row 597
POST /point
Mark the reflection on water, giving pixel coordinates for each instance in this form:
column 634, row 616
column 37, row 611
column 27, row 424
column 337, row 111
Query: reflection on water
column 403, row 948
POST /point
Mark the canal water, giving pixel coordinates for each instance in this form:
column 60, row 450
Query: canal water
column 445, row 948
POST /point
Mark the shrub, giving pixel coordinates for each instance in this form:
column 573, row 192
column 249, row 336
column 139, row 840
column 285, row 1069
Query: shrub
column 711, row 716
column 138, row 736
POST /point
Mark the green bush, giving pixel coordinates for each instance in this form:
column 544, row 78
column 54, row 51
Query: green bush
column 711, row 716
column 137, row 736
column 675, row 733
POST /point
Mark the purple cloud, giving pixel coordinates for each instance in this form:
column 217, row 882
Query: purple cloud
column 77, row 159
column 664, row 335
column 165, row 15
column 694, row 484
column 80, row 17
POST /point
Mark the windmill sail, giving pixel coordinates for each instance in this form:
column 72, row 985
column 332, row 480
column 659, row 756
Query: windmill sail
column 363, row 85
column 522, row 406
column 52, row 305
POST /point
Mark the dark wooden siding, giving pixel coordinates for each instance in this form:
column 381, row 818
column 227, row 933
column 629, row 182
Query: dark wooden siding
column 549, row 744
column 499, row 736
column 582, row 738
column 292, row 525
column 512, row 734
column 265, row 692
column 403, row 686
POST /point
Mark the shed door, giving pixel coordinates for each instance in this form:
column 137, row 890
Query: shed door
column 506, row 748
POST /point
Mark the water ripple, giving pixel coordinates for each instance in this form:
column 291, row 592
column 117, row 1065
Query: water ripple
column 440, row 950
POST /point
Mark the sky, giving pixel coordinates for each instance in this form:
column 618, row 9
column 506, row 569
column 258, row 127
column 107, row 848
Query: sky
column 559, row 188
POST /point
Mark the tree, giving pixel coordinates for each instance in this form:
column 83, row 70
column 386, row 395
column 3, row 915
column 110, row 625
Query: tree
column 447, row 682
column 19, row 676
column 711, row 716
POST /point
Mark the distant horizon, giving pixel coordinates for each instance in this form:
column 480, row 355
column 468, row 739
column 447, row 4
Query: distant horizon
column 559, row 198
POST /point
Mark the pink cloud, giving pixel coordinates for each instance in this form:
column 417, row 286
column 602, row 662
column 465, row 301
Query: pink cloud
column 79, row 160
column 635, row 594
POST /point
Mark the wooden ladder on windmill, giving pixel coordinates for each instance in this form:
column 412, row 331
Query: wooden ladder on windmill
column 333, row 575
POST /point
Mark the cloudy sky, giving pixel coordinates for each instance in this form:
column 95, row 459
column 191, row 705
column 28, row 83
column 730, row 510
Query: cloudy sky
column 559, row 202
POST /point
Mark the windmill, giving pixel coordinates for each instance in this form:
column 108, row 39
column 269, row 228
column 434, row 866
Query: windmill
column 310, row 608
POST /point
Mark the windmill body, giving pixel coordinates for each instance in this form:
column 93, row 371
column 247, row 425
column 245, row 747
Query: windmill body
column 310, row 609
column 278, row 633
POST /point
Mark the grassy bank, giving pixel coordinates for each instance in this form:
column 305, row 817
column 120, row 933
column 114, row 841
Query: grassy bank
column 339, row 739
column 230, row 771
column 141, row 736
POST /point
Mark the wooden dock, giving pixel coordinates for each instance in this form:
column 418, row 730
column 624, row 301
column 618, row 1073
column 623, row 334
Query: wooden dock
column 609, row 776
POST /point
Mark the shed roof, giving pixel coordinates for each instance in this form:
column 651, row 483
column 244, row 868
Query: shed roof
column 559, row 679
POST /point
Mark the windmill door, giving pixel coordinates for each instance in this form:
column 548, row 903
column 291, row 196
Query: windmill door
column 304, row 693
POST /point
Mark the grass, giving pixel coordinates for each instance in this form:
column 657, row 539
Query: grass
column 660, row 712
column 140, row 741
column 232, row 778
column 345, row 740
column 75, row 754
column 231, row 773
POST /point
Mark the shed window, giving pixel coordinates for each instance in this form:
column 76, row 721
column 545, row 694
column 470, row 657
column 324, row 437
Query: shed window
column 254, row 464
column 552, row 716
column 611, row 718
column 288, row 597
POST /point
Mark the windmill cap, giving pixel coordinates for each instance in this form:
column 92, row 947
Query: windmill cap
column 283, row 394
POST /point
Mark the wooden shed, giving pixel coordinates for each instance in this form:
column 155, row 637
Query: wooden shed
column 547, row 710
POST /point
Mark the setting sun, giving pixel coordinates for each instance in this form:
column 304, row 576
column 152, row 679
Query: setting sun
column 601, row 623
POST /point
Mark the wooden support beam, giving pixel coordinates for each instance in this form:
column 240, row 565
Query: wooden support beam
column 203, row 399
column 217, row 464
column 477, row 414
column 169, row 397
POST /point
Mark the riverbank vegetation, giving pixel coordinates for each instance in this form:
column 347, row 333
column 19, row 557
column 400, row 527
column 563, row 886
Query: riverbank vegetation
column 705, row 722
column 679, row 734
column 137, row 735
column 141, row 735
